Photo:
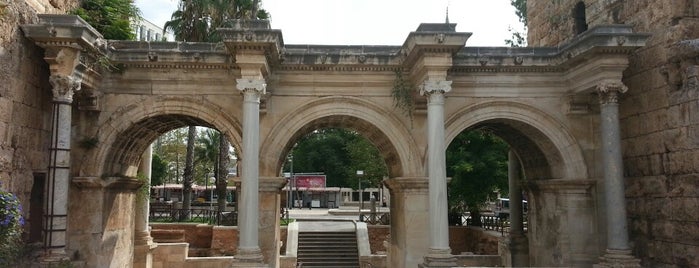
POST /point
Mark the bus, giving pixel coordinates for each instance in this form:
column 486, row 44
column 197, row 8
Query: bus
column 502, row 207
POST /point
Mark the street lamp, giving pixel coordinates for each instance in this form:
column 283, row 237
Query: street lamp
column 360, row 173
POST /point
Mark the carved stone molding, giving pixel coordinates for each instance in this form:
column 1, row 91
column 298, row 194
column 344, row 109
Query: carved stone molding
column 63, row 87
column 609, row 91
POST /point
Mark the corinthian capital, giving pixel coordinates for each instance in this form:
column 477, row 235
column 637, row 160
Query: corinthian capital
column 258, row 85
column 63, row 87
column 610, row 90
column 430, row 87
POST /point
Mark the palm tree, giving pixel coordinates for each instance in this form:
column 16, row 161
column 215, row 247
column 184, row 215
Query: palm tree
column 213, row 150
column 188, row 173
column 197, row 20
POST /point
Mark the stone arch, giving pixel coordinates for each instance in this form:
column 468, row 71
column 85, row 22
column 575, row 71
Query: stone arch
column 131, row 129
column 380, row 126
column 545, row 146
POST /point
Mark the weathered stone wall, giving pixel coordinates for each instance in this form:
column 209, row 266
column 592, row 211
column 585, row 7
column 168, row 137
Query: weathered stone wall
column 659, row 119
column 25, row 98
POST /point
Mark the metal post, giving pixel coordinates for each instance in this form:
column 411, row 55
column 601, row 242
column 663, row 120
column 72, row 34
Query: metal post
column 360, row 173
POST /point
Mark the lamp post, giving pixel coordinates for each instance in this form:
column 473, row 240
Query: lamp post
column 360, row 173
column 211, row 193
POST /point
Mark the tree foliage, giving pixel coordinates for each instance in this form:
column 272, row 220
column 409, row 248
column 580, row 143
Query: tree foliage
column 197, row 20
column 112, row 18
column 477, row 164
column 339, row 153
column 158, row 171
column 520, row 10
column 518, row 39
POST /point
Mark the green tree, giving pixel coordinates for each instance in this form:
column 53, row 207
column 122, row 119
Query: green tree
column 518, row 39
column 112, row 18
column 158, row 171
column 197, row 20
column 477, row 164
column 338, row 153
column 213, row 153
column 172, row 148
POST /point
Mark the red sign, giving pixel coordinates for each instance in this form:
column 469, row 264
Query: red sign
column 309, row 181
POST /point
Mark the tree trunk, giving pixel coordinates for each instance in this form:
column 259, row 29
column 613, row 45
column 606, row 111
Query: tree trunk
column 188, row 173
column 222, row 178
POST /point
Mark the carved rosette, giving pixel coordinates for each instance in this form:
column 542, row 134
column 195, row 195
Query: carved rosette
column 435, row 90
column 609, row 91
column 63, row 87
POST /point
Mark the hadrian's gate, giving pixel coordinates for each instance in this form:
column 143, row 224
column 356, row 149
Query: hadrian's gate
column 264, row 94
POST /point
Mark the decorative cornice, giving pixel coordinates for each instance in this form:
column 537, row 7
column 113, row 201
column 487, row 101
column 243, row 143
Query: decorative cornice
column 407, row 185
column 174, row 65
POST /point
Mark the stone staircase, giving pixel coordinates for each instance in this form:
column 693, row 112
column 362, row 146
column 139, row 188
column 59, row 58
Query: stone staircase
column 328, row 249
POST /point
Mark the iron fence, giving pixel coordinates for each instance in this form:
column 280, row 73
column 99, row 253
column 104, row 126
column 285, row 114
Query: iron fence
column 166, row 213
column 379, row 218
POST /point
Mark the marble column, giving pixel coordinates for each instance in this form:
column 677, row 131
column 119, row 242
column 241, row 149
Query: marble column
column 618, row 253
column 248, row 221
column 439, row 254
column 517, row 241
column 143, row 242
column 513, row 176
column 57, row 182
column 142, row 234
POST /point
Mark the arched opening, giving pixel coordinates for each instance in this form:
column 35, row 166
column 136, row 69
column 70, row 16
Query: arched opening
column 579, row 18
column 553, row 180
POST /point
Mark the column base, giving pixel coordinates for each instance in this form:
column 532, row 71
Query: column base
column 54, row 257
column 142, row 238
column 438, row 258
column 614, row 258
column 516, row 253
column 142, row 255
column 249, row 257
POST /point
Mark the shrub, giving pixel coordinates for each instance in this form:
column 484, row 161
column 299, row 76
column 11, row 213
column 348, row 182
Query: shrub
column 11, row 222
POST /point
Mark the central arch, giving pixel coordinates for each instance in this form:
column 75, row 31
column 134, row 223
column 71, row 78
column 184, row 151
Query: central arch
column 379, row 125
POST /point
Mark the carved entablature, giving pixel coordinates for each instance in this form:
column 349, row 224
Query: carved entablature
column 73, row 49
column 682, row 70
column 254, row 35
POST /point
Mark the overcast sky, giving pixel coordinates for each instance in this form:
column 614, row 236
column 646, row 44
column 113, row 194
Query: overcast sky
column 370, row 22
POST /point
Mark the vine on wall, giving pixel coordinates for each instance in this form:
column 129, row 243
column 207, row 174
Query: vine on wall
column 402, row 94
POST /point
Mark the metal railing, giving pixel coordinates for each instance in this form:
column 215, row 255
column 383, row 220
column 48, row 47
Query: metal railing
column 166, row 213
column 378, row 218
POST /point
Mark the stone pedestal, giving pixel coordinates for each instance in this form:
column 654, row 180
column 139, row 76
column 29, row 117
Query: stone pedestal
column 270, row 201
column 514, row 251
column 143, row 256
column 618, row 259
column 409, row 227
